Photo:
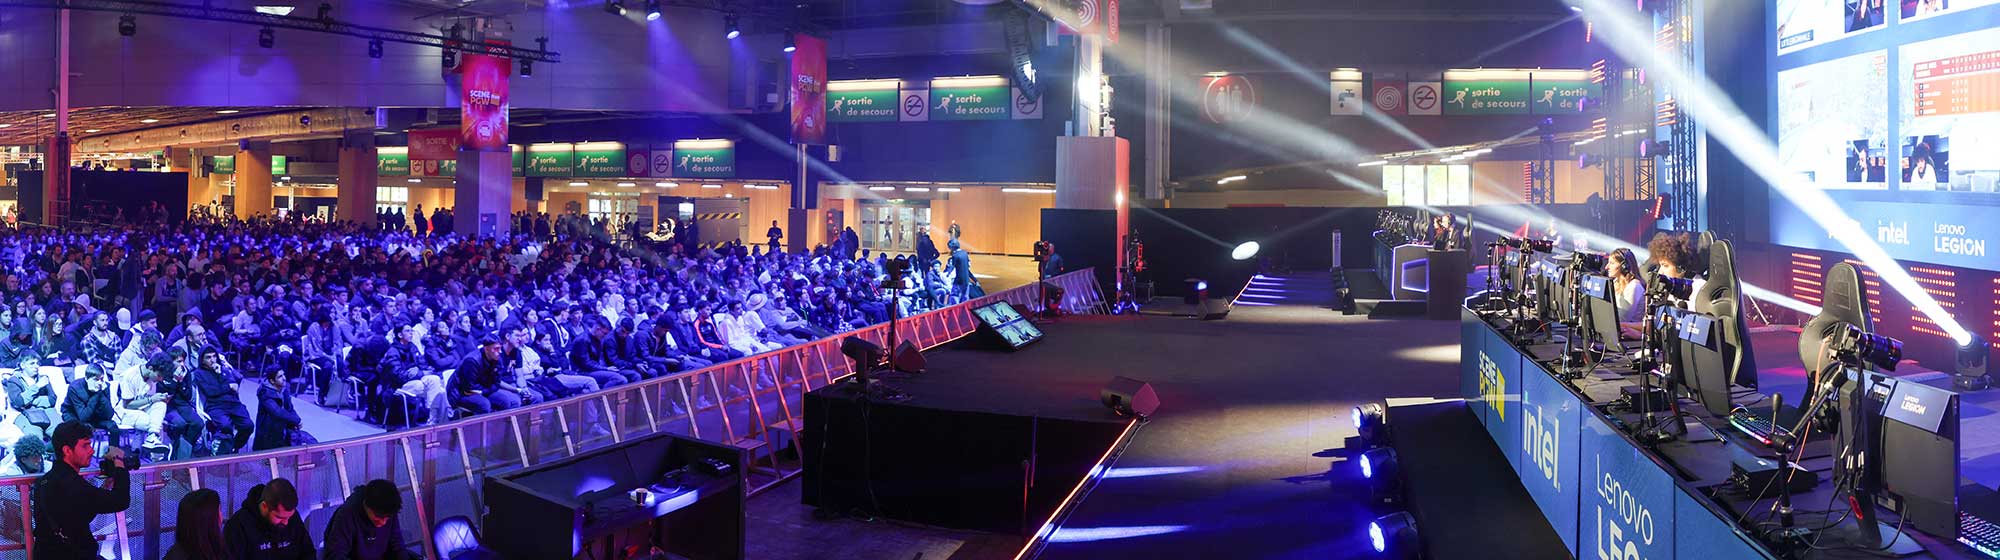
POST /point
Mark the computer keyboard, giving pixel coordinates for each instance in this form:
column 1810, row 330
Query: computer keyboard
column 1755, row 425
column 1980, row 534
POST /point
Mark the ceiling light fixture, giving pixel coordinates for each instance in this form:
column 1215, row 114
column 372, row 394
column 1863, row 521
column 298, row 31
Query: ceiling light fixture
column 149, row 121
column 730, row 27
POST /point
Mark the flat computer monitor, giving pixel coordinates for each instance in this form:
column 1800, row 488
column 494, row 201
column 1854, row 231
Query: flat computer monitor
column 1600, row 321
column 1700, row 360
column 1013, row 329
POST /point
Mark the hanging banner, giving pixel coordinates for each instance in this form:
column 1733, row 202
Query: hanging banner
column 1021, row 51
column 706, row 159
column 482, row 103
column 1226, row 99
column 1389, row 97
column 915, row 105
column 971, row 99
column 1348, row 95
column 1424, row 97
column 1086, row 17
column 808, row 90
column 434, row 143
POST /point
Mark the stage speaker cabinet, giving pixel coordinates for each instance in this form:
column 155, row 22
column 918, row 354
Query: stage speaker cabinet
column 1130, row 397
column 908, row 358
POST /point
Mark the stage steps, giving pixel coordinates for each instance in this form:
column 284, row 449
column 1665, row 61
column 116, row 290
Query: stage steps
column 1372, row 298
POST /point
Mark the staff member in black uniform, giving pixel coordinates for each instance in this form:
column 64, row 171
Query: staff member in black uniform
column 64, row 503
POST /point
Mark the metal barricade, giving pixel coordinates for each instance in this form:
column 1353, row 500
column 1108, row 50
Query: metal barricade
column 755, row 402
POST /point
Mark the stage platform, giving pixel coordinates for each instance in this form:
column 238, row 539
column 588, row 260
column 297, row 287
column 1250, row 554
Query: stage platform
column 1241, row 461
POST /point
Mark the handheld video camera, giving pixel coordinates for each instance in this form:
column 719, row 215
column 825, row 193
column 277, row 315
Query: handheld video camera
column 1590, row 261
column 1677, row 288
column 1526, row 244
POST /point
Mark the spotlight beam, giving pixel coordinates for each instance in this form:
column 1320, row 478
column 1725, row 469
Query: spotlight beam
column 1700, row 97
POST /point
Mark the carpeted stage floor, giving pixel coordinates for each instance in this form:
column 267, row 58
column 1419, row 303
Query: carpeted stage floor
column 1236, row 464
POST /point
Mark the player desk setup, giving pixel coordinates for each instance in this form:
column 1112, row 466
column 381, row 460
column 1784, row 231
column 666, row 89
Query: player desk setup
column 1662, row 447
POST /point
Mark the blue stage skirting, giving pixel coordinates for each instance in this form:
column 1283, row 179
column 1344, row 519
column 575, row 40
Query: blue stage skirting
column 1604, row 494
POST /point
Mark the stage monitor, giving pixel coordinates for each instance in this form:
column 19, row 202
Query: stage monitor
column 1885, row 107
column 1013, row 329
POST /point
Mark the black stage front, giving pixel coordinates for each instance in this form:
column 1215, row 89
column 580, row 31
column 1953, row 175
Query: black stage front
column 972, row 447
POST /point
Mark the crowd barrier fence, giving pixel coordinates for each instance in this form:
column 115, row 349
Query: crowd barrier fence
column 754, row 402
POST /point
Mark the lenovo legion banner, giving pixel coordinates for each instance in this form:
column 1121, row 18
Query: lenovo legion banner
column 808, row 91
column 483, row 102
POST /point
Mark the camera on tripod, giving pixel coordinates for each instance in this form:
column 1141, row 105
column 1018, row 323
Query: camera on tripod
column 1590, row 261
column 1853, row 346
column 1042, row 251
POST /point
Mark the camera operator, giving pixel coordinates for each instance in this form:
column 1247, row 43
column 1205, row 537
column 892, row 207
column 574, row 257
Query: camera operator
column 64, row 503
column 1052, row 264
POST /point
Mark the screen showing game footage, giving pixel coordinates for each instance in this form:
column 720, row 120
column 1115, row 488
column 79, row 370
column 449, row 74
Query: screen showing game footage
column 1892, row 109
column 1002, row 318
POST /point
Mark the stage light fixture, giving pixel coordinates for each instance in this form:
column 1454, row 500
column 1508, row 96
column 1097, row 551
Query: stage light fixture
column 1650, row 148
column 1587, row 161
column 730, row 26
column 128, row 26
column 1395, row 536
column 1371, row 425
column 652, row 10
column 450, row 59
column 614, row 7
column 527, row 68
column 266, row 37
column 326, row 14
column 1379, row 461
column 375, row 48
column 791, row 43
column 1245, row 251
column 1971, row 371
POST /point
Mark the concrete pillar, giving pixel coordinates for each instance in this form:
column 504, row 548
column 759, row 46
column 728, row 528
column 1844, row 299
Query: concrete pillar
column 184, row 160
column 482, row 202
column 357, row 181
column 253, row 179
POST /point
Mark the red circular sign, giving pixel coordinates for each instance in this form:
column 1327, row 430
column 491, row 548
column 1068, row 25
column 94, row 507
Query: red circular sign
column 1228, row 99
column 1424, row 97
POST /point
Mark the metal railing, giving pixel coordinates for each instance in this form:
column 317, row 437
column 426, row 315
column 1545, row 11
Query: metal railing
column 754, row 402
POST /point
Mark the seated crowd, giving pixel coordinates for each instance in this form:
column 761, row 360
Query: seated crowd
column 144, row 333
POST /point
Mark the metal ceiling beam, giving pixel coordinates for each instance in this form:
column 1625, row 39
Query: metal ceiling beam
column 275, row 126
column 300, row 23
column 1365, row 16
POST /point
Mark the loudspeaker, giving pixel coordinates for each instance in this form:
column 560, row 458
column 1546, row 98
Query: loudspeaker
column 1130, row 397
column 908, row 358
column 860, row 350
column 1211, row 310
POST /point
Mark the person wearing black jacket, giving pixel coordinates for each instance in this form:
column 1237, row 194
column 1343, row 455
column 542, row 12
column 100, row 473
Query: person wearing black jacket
column 183, row 423
column 275, row 417
column 365, row 528
column 477, row 384
column 64, row 503
column 217, row 386
column 89, row 402
column 265, row 529
column 31, row 393
column 592, row 355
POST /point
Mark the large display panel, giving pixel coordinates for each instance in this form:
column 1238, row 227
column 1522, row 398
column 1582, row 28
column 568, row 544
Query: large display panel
column 1925, row 183
column 1427, row 185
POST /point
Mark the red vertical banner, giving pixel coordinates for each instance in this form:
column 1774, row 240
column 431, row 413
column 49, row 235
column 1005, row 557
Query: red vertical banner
column 482, row 102
column 808, row 90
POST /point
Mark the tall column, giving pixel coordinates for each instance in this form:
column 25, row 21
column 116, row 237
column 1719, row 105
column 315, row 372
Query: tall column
column 483, row 200
column 253, row 179
column 1159, row 114
column 55, row 182
column 357, row 181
